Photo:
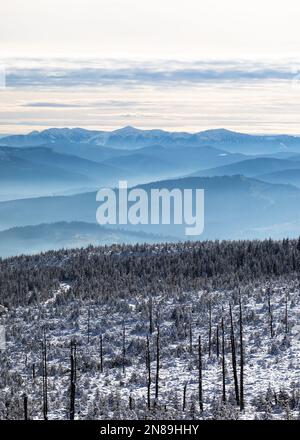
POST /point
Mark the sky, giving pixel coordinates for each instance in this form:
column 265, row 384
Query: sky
column 169, row 64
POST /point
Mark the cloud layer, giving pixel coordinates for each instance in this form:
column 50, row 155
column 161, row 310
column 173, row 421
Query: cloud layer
column 95, row 74
column 238, row 95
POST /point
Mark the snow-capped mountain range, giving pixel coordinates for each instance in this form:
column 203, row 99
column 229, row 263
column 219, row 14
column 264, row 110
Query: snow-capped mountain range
column 134, row 138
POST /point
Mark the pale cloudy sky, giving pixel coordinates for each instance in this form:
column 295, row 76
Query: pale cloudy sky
column 174, row 64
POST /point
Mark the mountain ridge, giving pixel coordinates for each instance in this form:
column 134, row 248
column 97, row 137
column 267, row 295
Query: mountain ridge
column 131, row 138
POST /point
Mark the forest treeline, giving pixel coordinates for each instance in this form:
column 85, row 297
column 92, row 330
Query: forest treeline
column 124, row 270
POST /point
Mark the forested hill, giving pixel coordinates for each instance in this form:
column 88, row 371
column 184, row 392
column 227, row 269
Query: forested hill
column 202, row 330
column 97, row 272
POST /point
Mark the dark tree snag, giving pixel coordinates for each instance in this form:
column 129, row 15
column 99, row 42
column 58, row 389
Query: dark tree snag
column 242, row 403
column 89, row 325
column 286, row 318
column 200, row 385
column 101, row 353
column 45, row 377
column 150, row 315
column 157, row 362
column 270, row 314
column 130, row 402
column 223, row 363
column 191, row 335
column 148, row 367
column 72, row 379
column 233, row 354
column 124, row 348
column 184, row 397
column 217, row 342
column 209, row 331
column 25, row 402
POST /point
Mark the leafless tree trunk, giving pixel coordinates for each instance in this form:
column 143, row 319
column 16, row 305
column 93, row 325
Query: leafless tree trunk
column 209, row 331
column 242, row 404
column 89, row 325
column 191, row 335
column 25, row 402
column 101, row 353
column 157, row 362
column 148, row 366
column 130, row 402
column 73, row 380
column 184, row 397
column 286, row 315
column 233, row 354
column 150, row 315
column 270, row 314
column 200, row 385
column 124, row 347
column 218, row 342
column 223, row 363
column 45, row 378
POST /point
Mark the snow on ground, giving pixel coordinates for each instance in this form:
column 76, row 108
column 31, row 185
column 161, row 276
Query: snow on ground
column 271, row 363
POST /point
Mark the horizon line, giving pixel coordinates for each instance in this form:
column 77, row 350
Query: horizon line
column 148, row 129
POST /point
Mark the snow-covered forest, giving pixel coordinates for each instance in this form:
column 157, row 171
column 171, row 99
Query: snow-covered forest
column 177, row 331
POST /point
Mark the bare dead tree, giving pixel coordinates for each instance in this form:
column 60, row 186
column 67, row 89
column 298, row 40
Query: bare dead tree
column 242, row 403
column 150, row 315
column 233, row 355
column 217, row 342
column 25, row 404
column 209, row 331
column 191, row 334
column 101, row 353
column 270, row 313
column 223, row 363
column 200, row 385
column 157, row 362
column 89, row 325
column 286, row 318
column 45, row 377
column 130, row 402
column 148, row 367
column 72, row 379
column 184, row 396
column 123, row 348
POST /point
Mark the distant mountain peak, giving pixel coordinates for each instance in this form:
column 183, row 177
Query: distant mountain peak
column 128, row 129
column 220, row 132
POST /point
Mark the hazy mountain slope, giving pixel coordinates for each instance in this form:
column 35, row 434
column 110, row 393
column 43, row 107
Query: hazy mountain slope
column 185, row 159
column 235, row 207
column 70, row 163
column 40, row 238
column 156, row 161
column 142, row 166
column 35, row 171
column 250, row 167
column 18, row 174
column 291, row 177
column 240, row 207
column 90, row 152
